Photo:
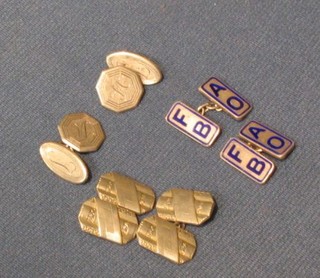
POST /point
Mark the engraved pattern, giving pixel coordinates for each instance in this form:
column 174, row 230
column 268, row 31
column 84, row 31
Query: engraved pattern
column 147, row 238
column 116, row 224
column 119, row 89
column 202, row 206
column 117, row 188
column 63, row 162
column 81, row 132
column 148, row 71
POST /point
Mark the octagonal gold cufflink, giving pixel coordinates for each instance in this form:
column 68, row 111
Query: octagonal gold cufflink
column 120, row 87
column 80, row 132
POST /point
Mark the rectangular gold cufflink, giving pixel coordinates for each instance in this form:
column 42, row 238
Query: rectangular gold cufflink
column 246, row 154
column 225, row 97
column 193, row 124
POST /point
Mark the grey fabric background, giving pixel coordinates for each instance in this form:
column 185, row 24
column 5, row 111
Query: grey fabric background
column 52, row 53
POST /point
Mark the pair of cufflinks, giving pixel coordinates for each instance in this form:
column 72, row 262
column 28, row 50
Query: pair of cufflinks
column 79, row 132
column 244, row 154
column 113, row 216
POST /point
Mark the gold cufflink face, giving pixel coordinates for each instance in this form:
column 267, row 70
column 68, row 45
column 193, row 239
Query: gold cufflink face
column 106, row 220
column 64, row 162
column 119, row 89
column 148, row 70
column 166, row 239
column 186, row 206
column 126, row 192
column 81, row 132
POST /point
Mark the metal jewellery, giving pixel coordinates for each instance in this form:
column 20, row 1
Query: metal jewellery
column 80, row 132
column 246, row 155
column 194, row 123
column 165, row 233
column 120, row 87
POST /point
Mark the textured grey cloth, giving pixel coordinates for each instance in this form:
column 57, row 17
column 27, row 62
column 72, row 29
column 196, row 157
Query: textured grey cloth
column 52, row 53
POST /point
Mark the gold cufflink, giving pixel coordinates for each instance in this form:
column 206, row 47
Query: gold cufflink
column 112, row 215
column 194, row 123
column 246, row 155
column 165, row 234
column 80, row 132
column 120, row 87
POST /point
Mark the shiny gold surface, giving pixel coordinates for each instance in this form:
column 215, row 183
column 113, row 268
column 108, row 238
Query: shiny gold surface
column 119, row 89
column 126, row 192
column 81, row 132
column 148, row 70
column 209, row 106
column 248, row 161
column 64, row 162
column 187, row 206
column 269, row 140
column 105, row 220
column 166, row 239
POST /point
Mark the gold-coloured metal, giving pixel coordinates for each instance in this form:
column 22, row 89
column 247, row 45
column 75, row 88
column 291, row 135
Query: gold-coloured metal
column 248, row 161
column 166, row 239
column 259, row 150
column 148, row 70
column 119, row 89
column 81, row 132
column 64, row 162
column 126, row 192
column 262, row 137
column 187, row 206
column 106, row 220
column 209, row 106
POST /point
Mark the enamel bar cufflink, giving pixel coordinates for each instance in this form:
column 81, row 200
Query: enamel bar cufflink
column 195, row 125
column 246, row 155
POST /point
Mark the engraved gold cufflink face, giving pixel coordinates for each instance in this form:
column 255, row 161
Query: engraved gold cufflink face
column 166, row 239
column 148, row 70
column 170, row 239
column 112, row 216
column 120, row 88
column 187, row 206
column 246, row 154
column 64, row 162
column 106, row 220
column 126, row 192
column 80, row 132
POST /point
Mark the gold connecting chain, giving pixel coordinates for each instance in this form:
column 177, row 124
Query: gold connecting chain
column 209, row 106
